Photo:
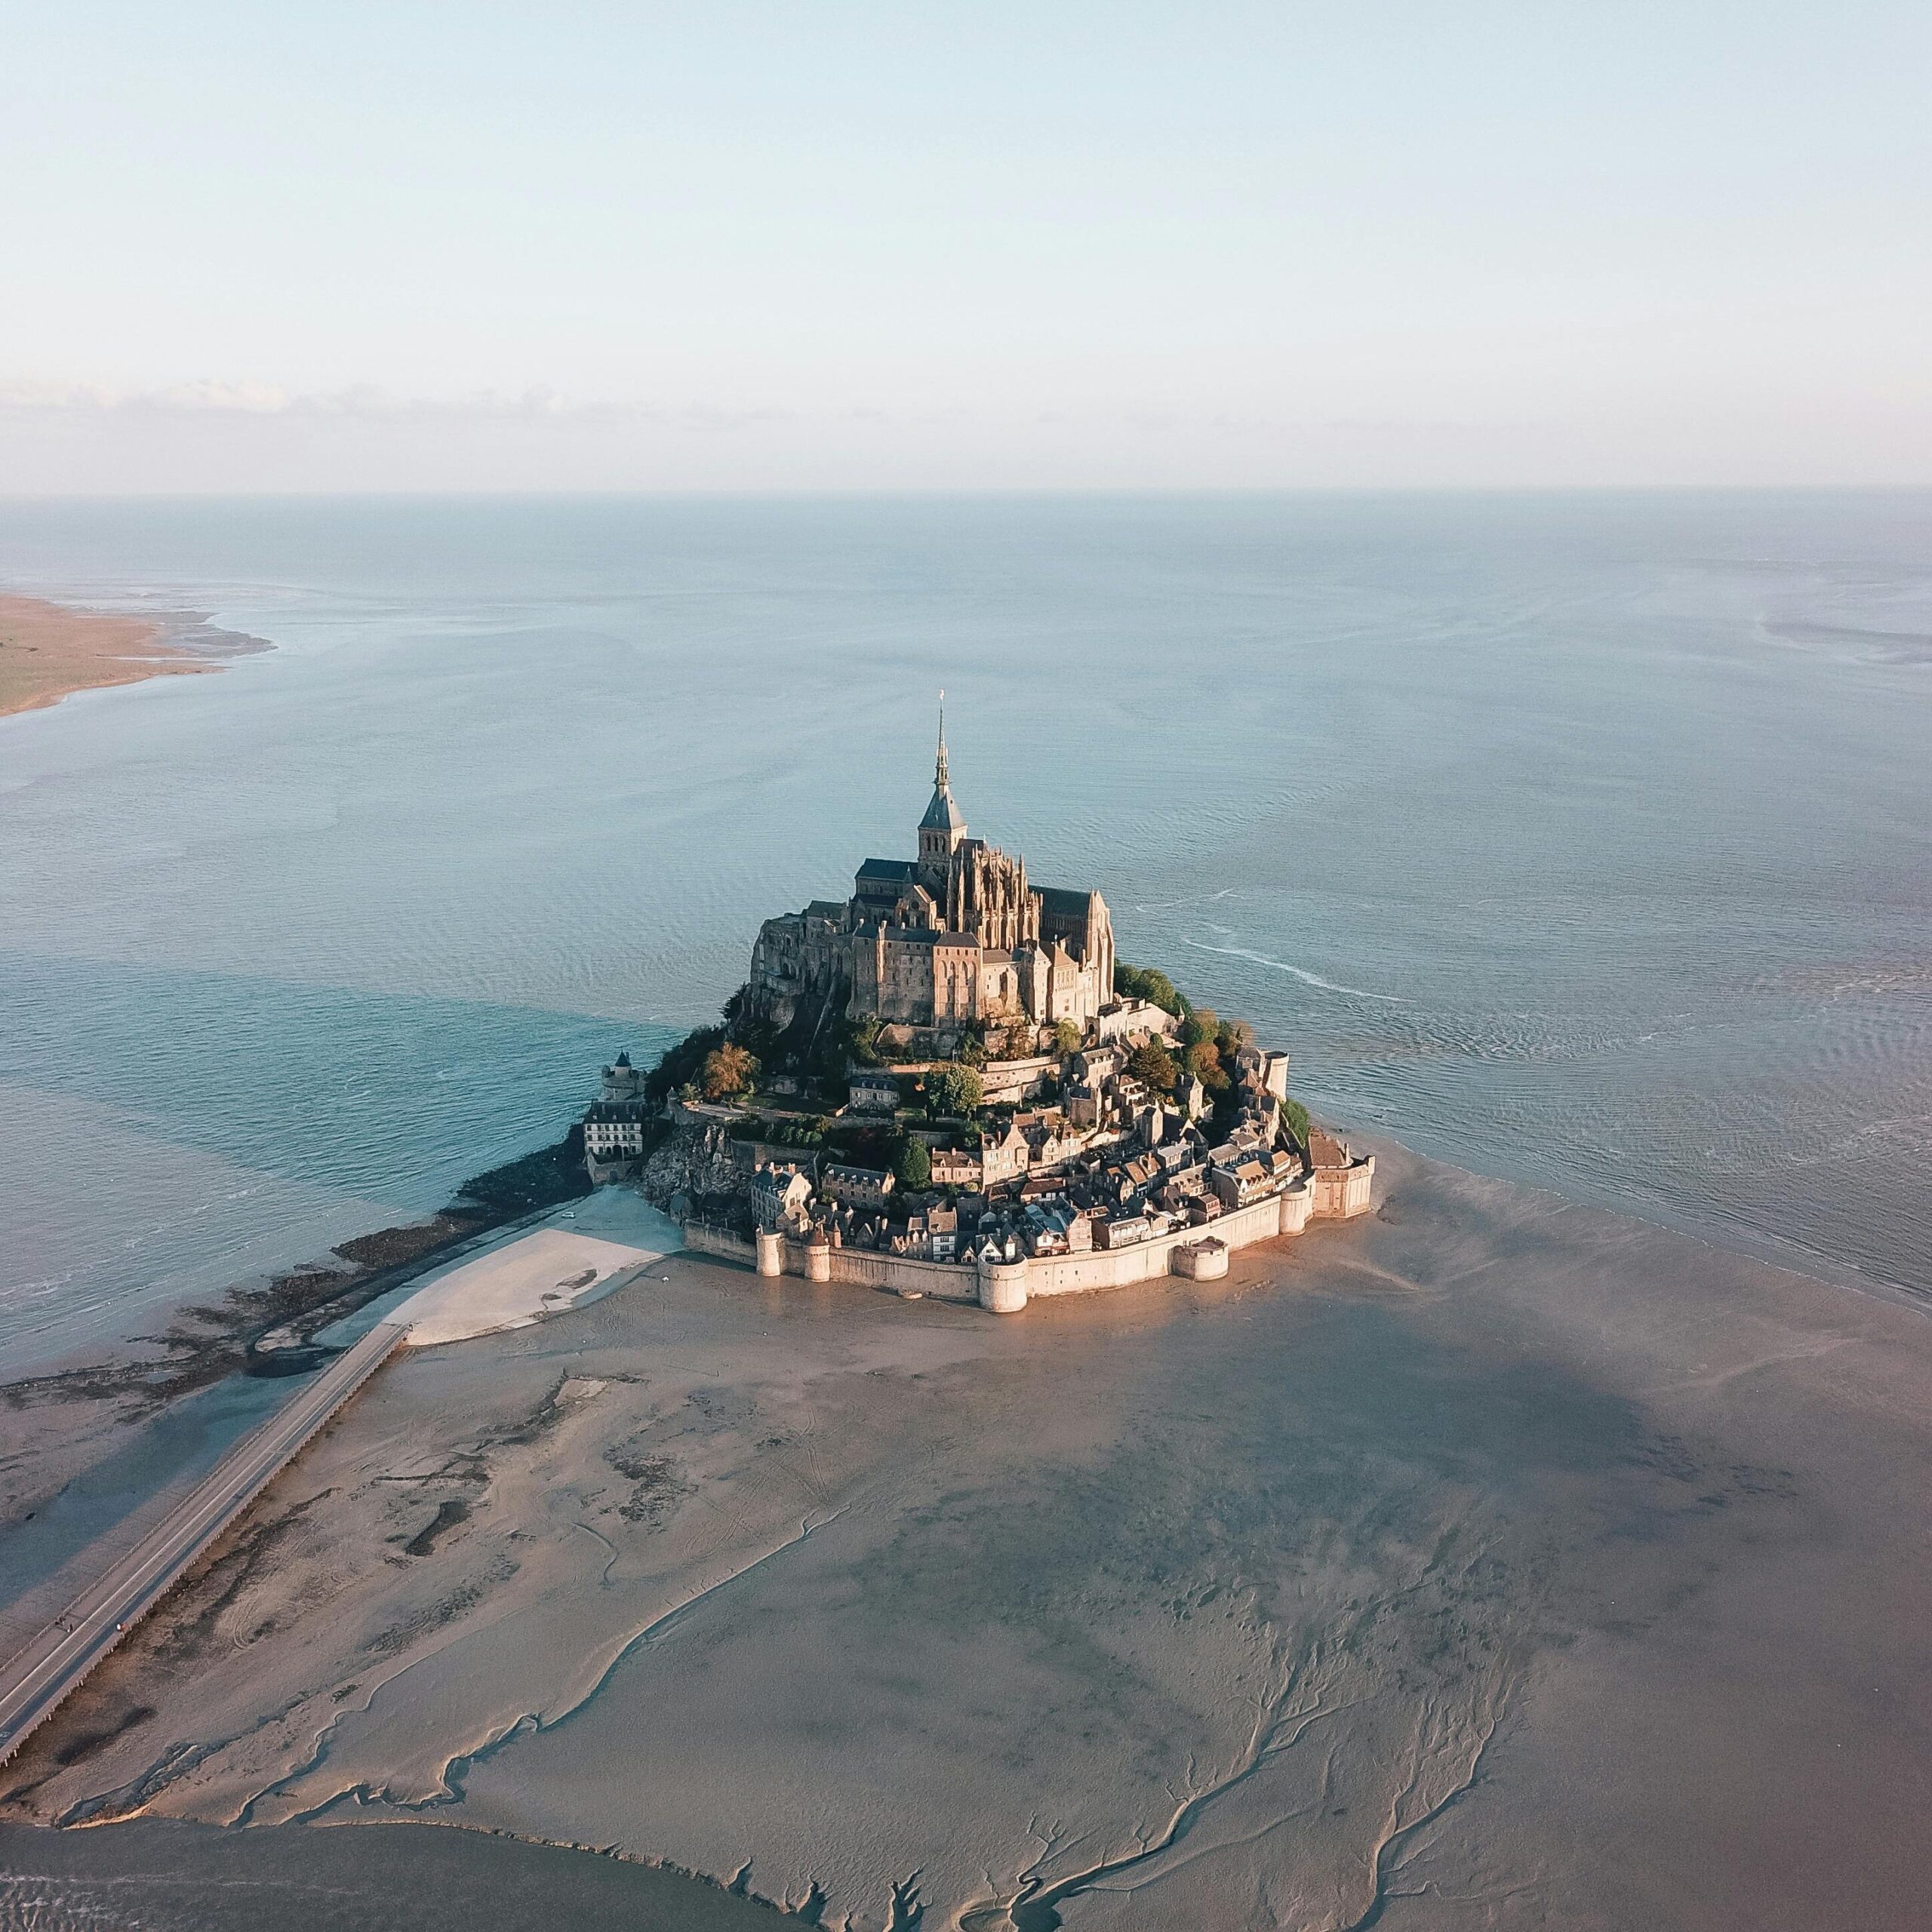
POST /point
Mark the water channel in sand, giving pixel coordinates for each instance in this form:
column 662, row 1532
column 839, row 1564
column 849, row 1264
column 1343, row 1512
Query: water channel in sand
column 1489, row 1564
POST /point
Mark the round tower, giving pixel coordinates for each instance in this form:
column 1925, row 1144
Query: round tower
column 1002, row 1285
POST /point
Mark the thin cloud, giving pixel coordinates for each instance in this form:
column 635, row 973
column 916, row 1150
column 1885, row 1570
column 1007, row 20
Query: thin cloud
column 358, row 404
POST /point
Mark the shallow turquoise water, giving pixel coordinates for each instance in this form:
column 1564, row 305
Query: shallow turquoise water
column 1586, row 839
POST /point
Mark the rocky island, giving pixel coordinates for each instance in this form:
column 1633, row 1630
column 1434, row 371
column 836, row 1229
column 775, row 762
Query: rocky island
column 947, row 1084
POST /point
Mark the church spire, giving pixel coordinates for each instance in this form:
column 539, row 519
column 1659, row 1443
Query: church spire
column 942, row 828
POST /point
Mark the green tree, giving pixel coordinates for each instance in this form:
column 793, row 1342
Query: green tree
column 679, row 1066
column 951, row 1088
column 915, row 1165
column 1019, row 1041
column 1066, row 1038
column 973, row 1044
column 728, row 1069
column 1145, row 983
column 1204, row 1062
column 1151, row 1062
column 1231, row 1035
column 1199, row 1025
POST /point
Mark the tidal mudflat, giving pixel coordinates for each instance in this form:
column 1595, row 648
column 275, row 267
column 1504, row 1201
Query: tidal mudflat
column 1496, row 1562
column 48, row 651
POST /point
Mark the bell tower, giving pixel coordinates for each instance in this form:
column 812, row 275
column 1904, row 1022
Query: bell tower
column 943, row 829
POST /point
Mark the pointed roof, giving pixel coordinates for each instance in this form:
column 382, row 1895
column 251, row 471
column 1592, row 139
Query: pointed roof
column 942, row 815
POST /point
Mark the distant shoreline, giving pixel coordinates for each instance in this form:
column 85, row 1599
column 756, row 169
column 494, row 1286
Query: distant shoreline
column 49, row 651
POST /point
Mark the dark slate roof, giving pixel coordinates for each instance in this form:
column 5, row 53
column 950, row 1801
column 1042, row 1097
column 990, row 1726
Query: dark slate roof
column 926, row 936
column 895, row 869
column 943, row 815
column 1061, row 904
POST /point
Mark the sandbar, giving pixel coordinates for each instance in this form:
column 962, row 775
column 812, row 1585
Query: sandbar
column 548, row 1272
column 48, row 652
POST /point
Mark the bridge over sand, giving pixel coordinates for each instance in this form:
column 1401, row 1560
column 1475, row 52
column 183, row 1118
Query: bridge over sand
column 34, row 1683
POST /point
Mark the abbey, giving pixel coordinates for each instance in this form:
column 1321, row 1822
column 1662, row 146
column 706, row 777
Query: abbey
column 959, row 934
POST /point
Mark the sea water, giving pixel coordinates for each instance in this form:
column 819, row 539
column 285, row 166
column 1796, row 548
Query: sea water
column 1585, row 839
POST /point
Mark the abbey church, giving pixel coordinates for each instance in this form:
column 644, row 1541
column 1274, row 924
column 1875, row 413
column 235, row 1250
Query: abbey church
column 956, row 935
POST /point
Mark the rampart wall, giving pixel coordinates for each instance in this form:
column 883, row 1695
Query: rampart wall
column 1331, row 1193
column 704, row 1239
column 1141, row 1260
column 868, row 1267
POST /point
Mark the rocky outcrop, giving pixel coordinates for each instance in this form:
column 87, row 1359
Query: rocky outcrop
column 694, row 1160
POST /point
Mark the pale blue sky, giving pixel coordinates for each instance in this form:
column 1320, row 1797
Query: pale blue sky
column 747, row 246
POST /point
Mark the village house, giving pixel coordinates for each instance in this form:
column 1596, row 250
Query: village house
column 957, row 1167
column 872, row 1090
column 856, row 1187
column 778, row 1195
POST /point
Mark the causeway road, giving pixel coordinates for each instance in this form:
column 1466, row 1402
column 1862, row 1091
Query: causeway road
column 33, row 1683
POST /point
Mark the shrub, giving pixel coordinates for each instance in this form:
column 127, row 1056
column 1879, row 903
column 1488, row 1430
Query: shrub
column 1066, row 1038
column 915, row 1165
column 1200, row 1024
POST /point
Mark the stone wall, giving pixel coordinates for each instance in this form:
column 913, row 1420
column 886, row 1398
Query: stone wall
column 1006, row 1080
column 1332, row 1193
column 867, row 1268
column 703, row 1240
column 1343, row 1192
column 1141, row 1260
column 1135, row 1019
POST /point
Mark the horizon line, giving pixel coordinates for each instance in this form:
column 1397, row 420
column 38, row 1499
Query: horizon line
column 960, row 492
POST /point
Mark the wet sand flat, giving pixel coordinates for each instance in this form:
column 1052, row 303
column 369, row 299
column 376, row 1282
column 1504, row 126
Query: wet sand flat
column 1495, row 1562
column 47, row 650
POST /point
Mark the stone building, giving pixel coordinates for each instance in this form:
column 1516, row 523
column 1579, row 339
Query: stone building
column 622, row 1081
column 959, row 934
column 855, row 1187
column 617, row 1130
